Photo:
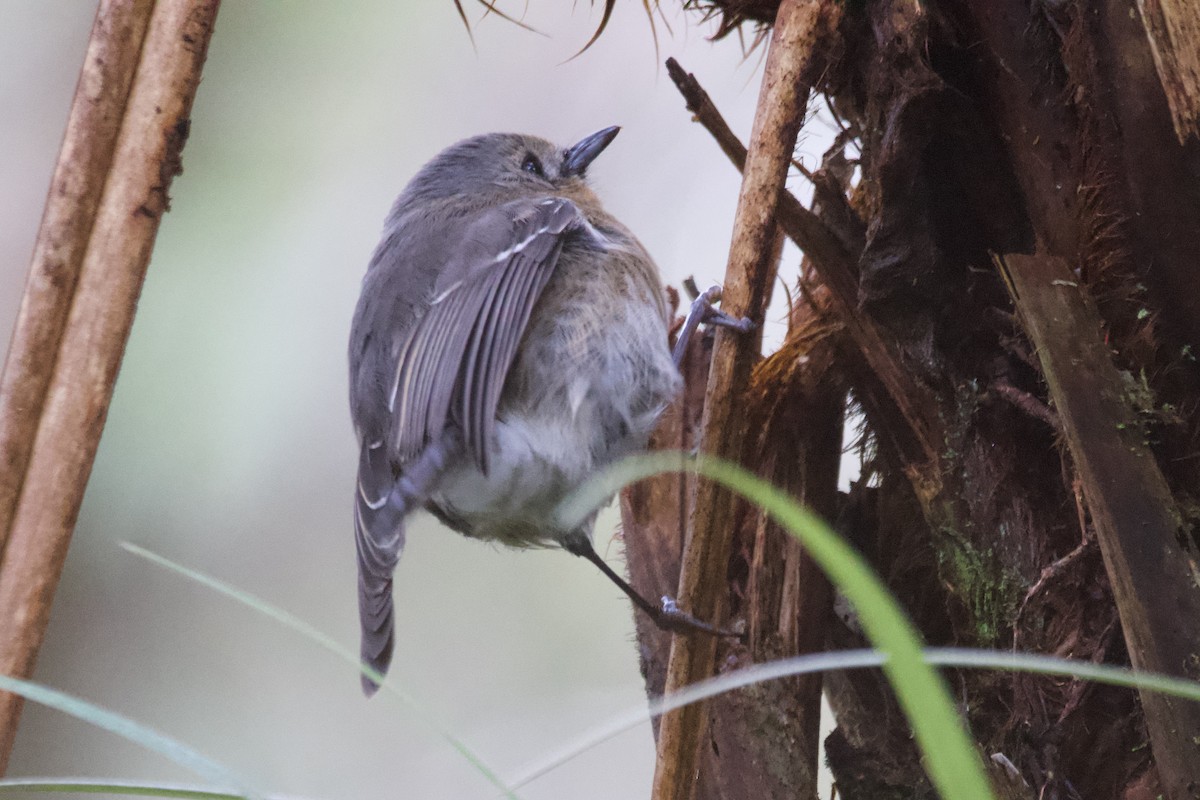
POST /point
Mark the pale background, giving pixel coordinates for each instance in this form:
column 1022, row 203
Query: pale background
column 229, row 445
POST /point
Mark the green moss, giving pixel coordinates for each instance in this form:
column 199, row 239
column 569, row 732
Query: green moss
column 989, row 592
column 975, row 574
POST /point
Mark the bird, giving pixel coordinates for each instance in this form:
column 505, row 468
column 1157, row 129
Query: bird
column 510, row 340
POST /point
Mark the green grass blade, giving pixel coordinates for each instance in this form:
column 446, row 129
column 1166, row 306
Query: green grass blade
column 951, row 758
column 126, row 728
column 960, row 657
column 318, row 637
column 642, row 713
column 856, row 659
column 126, row 788
column 1050, row 665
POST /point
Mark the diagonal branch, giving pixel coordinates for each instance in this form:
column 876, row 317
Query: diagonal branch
column 83, row 165
column 836, row 264
column 117, row 237
column 1136, row 520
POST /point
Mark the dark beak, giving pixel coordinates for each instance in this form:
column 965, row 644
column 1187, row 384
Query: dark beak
column 582, row 153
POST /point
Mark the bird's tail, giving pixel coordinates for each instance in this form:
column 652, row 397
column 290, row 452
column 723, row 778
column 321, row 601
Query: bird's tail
column 379, row 538
column 380, row 507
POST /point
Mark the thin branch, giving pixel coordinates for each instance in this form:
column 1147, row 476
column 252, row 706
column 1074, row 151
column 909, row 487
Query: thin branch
column 701, row 106
column 153, row 126
column 1027, row 403
column 836, row 263
column 83, row 163
column 801, row 27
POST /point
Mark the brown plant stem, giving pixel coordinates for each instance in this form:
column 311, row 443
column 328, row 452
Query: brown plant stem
column 152, row 130
column 798, row 411
column 83, row 162
column 796, row 43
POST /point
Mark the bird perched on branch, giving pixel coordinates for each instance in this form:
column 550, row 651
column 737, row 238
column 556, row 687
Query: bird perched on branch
column 510, row 340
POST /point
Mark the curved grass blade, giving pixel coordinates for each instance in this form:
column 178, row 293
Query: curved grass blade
column 129, row 730
column 124, row 788
column 642, row 713
column 858, row 659
column 959, row 657
column 950, row 755
column 653, row 28
column 609, row 5
column 492, row 9
column 462, row 14
column 329, row 643
column 82, row 786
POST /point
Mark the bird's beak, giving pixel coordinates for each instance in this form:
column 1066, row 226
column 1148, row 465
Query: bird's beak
column 582, row 153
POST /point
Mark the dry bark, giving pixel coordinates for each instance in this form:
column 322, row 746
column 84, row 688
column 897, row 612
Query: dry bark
column 1134, row 515
column 761, row 742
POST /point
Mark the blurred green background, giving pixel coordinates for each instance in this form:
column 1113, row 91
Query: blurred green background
column 229, row 445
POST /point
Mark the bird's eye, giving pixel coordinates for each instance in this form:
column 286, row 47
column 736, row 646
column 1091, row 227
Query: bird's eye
column 531, row 164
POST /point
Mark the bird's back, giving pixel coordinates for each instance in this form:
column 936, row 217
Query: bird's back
column 592, row 375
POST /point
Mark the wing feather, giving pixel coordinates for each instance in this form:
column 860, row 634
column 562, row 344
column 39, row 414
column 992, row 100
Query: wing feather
column 424, row 377
column 474, row 365
column 456, row 360
column 451, row 370
column 499, row 339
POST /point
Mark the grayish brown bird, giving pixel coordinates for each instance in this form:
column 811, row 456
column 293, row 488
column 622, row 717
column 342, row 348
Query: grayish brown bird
column 510, row 340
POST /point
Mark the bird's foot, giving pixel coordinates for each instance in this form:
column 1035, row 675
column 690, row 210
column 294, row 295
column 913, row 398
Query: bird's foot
column 672, row 618
column 705, row 312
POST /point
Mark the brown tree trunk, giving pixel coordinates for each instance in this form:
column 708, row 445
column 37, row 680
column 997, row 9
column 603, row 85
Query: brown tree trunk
column 995, row 502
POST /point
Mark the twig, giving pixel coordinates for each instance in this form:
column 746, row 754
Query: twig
column 1048, row 573
column 795, row 43
column 153, row 125
column 1026, row 402
column 836, row 264
column 701, row 106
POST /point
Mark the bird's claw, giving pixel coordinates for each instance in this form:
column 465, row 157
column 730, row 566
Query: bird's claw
column 676, row 620
column 705, row 312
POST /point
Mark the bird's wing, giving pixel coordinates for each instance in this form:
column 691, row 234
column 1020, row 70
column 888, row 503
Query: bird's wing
column 454, row 363
column 451, row 368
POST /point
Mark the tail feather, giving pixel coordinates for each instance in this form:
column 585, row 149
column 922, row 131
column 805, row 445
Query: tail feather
column 379, row 538
column 381, row 504
column 378, row 628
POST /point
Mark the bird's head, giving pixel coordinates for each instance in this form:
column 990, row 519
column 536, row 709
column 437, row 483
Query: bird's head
column 510, row 164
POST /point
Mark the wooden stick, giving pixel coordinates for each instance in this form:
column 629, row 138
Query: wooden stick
column 800, row 27
column 145, row 159
column 83, row 163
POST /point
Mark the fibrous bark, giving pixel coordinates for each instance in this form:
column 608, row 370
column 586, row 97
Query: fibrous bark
column 1062, row 131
